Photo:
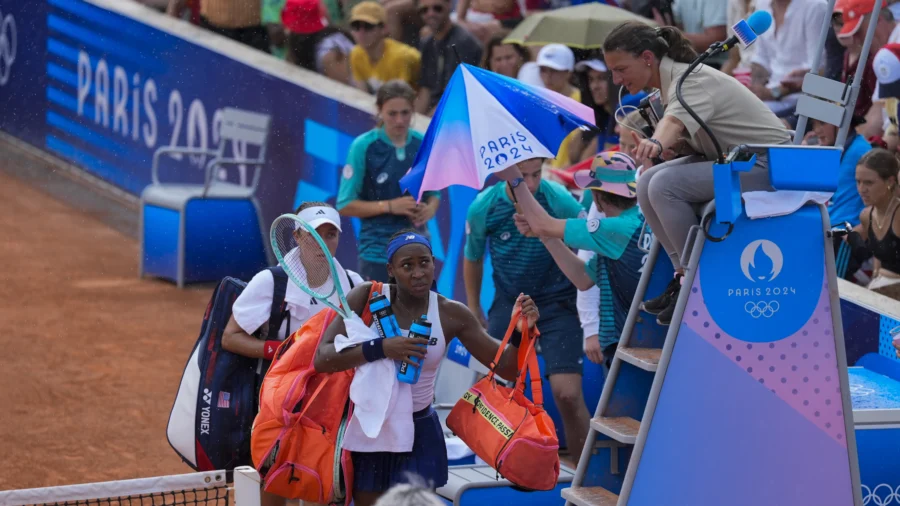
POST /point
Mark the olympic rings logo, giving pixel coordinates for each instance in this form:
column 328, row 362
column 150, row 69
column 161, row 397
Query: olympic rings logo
column 860, row 390
column 762, row 308
column 881, row 495
column 8, row 43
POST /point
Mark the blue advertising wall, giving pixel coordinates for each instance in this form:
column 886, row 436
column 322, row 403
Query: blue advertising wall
column 101, row 88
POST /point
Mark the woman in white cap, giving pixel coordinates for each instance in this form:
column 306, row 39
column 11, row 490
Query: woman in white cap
column 247, row 331
column 555, row 63
column 252, row 309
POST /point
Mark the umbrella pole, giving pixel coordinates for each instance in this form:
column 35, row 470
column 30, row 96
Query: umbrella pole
column 456, row 52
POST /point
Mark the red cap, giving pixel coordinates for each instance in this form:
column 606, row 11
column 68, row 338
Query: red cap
column 303, row 16
column 853, row 11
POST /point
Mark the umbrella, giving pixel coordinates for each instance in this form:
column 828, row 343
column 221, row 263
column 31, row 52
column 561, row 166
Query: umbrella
column 486, row 122
column 582, row 26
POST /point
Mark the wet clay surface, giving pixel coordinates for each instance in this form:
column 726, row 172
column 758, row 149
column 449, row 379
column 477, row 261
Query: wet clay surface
column 90, row 355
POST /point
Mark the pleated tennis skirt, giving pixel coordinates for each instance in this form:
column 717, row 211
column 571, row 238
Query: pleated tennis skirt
column 379, row 471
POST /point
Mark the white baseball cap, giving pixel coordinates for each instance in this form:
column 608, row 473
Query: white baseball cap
column 556, row 57
column 320, row 215
column 596, row 65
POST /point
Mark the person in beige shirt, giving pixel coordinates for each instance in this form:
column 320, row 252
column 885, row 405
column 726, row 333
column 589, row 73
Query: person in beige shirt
column 240, row 20
column 641, row 57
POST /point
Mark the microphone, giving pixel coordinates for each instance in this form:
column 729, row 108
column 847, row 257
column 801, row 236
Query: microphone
column 746, row 31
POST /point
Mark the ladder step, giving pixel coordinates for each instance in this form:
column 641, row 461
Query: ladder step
column 645, row 358
column 590, row 496
column 623, row 429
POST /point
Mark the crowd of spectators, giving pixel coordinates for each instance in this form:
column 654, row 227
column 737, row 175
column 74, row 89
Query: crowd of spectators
column 366, row 43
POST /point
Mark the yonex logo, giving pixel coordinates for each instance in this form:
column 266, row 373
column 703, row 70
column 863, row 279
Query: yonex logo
column 8, row 43
column 204, row 412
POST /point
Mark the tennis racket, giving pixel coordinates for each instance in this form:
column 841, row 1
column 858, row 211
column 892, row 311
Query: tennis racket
column 305, row 258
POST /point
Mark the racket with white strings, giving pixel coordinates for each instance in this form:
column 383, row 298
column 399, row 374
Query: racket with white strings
column 305, row 258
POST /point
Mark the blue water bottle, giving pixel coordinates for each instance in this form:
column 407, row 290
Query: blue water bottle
column 383, row 316
column 420, row 328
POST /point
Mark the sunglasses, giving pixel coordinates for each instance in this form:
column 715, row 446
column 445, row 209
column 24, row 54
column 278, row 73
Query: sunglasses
column 437, row 9
column 360, row 26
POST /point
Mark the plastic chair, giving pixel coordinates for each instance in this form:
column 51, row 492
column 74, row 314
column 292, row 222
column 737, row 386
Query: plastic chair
column 202, row 232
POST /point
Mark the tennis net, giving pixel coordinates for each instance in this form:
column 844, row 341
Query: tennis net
column 209, row 488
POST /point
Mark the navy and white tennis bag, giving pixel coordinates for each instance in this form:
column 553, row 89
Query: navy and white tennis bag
column 217, row 400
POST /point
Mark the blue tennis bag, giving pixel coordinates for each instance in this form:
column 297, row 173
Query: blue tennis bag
column 217, row 400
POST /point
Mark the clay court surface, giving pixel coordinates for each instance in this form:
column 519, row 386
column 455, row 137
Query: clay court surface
column 90, row 356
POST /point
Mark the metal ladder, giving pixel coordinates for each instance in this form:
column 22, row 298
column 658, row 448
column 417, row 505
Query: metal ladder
column 623, row 414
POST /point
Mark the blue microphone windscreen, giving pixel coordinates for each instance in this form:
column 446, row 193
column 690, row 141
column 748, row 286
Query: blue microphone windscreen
column 760, row 22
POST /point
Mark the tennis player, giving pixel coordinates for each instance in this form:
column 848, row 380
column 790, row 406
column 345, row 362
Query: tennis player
column 380, row 463
column 522, row 265
column 252, row 309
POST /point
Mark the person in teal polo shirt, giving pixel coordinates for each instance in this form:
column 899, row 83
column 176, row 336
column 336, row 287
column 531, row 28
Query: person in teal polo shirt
column 616, row 267
column 522, row 265
column 370, row 184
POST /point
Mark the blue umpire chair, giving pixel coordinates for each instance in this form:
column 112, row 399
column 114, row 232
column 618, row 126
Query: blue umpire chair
column 202, row 232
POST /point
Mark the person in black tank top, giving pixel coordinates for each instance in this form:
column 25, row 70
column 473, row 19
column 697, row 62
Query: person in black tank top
column 876, row 181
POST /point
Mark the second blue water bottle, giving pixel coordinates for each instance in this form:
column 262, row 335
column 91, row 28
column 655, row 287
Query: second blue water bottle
column 421, row 328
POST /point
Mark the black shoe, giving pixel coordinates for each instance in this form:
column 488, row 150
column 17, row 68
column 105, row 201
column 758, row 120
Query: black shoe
column 665, row 317
column 659, row 304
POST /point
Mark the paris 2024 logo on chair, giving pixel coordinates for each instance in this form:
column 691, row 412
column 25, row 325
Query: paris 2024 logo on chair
column 763, row 282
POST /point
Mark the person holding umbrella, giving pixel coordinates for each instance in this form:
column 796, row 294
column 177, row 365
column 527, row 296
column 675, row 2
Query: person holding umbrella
column 616, row 267
column 641, row 57
column 369, row 189
column 521, row 264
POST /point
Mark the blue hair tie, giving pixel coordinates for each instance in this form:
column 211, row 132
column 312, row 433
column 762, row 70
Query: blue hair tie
column 403, row 240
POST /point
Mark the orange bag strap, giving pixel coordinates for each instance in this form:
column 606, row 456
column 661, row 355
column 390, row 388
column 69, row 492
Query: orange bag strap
column 527, row 362
column 367, row 315
column 503, row 343
column 367, row 318
column 526, row 359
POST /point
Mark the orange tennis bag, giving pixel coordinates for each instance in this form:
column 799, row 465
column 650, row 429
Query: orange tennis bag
column 512, row 434
column 297, row 435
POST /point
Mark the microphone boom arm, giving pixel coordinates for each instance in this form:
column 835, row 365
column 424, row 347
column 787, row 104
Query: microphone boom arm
column 700, row 59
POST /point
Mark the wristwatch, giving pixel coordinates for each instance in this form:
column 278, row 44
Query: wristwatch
column 513, row 184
